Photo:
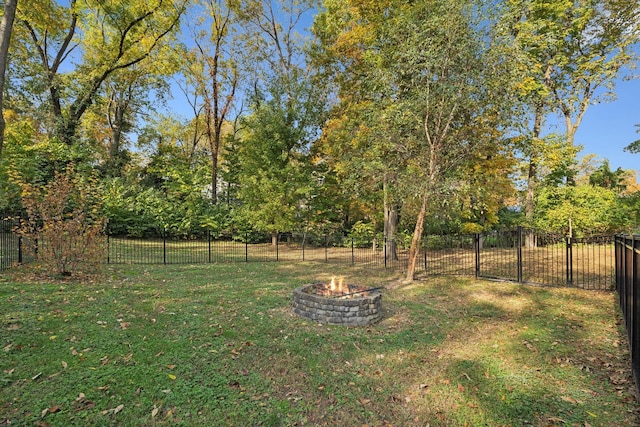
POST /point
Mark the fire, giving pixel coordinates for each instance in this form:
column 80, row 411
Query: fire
column 338, row 288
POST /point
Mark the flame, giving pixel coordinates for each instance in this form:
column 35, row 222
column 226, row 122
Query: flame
column 338, row 288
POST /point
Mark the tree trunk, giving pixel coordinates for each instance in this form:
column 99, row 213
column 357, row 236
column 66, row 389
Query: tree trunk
column 5, row 37
column 417, row 237
column 532, row 179
column 390, row 230
column 529, row 203
column 390, row 223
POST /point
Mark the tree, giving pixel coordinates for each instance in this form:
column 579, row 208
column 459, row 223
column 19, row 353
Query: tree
column 596, row 42
column 433, row 87
column 124, row 98
column 570, row 53
column 6, row 25
column 285, row 111
column 275, row 174
column 604, row 177
column 103, row 38
column 581, row 209
column 358, row 140
column 212, row 71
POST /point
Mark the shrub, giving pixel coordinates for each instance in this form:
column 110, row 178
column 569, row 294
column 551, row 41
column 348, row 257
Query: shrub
column 63, row 228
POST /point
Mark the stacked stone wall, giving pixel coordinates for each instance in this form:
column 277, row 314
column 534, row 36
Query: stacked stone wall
column 355, row 311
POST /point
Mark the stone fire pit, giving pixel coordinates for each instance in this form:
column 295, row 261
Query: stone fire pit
column 355, row 306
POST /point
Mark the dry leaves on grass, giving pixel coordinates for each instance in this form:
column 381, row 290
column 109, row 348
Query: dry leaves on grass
column 113, row 411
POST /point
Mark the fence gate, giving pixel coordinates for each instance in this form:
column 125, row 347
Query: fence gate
column 531, row 256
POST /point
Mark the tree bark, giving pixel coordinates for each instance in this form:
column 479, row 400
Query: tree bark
column 6, row 26
column 417, row 237
column 390, row 222
column 532, row 179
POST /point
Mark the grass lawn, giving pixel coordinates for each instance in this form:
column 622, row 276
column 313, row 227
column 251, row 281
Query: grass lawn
column 217, row 345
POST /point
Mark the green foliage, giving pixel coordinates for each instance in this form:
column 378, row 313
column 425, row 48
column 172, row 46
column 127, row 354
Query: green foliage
column 604, row 177
column 584, row 209
column 275, row 175
column 364, row 235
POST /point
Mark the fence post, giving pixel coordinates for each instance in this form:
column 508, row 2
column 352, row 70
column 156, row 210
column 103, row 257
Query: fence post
column 326, row 249
column 569, row 261
column 385, row 251
column 19, row 249
column 246, row 246
column 209, row 244
column 353, row 256
column 164, row 245
column 304, row 238
column 476, row 249
column 278, row 247
column 519, row 252
column 633, row 319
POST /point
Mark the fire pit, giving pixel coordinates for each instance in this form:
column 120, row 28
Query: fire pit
column 338, row 303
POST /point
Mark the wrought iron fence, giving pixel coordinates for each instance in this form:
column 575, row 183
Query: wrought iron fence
column 11, row 252
column 533, row 256
column 520, row 254
column 627, row 255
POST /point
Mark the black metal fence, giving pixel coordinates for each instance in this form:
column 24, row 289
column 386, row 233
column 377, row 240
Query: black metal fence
column 520, row 255
column 11, row 252
column 627, row 254
column 532, row 256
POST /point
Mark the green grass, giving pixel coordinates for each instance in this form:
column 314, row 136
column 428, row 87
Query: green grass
column 217, row 345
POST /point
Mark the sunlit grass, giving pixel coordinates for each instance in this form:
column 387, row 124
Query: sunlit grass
column 217, row 345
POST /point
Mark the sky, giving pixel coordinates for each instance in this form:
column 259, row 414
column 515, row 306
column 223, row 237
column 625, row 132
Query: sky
column 608, row 127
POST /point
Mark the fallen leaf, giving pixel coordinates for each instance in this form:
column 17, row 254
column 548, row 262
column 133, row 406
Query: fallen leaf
column 460, row 388
column 569, row 399
column 53, row 337
column 7, row 347
column 154, row 411
column 364, row 401
column 172, row 377
column 55, row 409
column 118, row 409
column 9, row 371
column 64, row 364
column 171, row 366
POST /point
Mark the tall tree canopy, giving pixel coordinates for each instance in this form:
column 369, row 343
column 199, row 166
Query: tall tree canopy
column 425, row 69
column 80, row 45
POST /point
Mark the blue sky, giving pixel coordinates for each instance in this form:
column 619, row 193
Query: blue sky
column 609, row 127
